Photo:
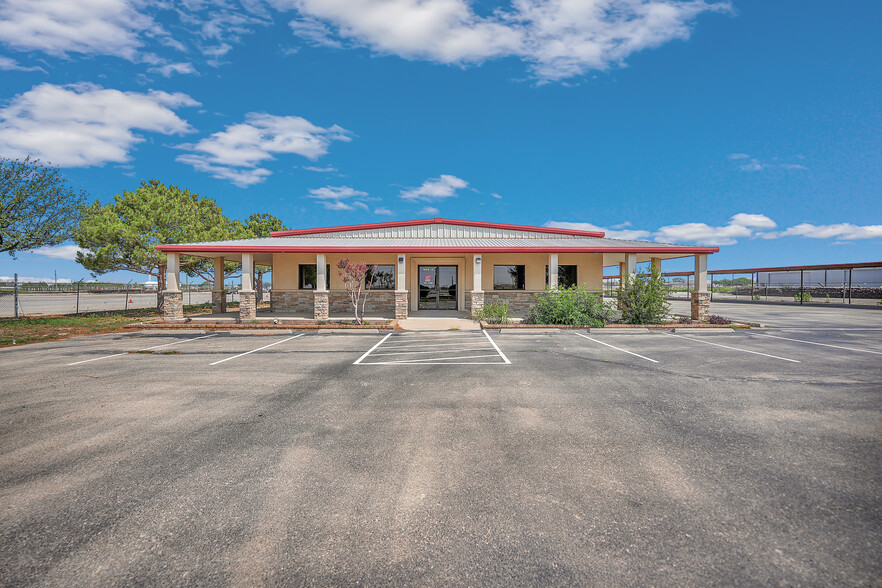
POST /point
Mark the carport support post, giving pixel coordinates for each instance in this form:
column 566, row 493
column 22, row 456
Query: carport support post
column 218, row 295
column 321, row 310
column 552, row 271
column 477, row 287
column 172, row 297
column 700, row 296
column 247, row 295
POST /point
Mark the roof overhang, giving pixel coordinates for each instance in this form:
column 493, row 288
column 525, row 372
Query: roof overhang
column 207, row 250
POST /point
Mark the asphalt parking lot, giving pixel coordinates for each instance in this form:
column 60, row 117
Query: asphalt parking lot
column 446, row 458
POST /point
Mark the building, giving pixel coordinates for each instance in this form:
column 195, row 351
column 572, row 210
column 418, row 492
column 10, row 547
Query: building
column 430, row 264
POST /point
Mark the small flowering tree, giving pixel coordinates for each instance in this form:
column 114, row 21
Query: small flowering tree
column 353, row 275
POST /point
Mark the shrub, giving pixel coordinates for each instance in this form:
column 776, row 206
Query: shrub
column 493, row 313
column 802, row 297
column 642, row 299
column 570, row 306
column 757, row 297
column 716, row 319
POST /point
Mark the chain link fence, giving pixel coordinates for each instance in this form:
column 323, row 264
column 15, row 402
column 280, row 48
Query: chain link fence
column 19, row 300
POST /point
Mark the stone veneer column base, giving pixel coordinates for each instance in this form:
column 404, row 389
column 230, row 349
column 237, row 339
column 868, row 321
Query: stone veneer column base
column 173, row 306
column 321, row 305
column 401, row 305
column 477, row 301
column 247, row 305
column 218, row 301
column 700, row 306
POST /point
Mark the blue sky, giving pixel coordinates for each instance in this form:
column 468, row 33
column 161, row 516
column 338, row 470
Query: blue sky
column 752, row 125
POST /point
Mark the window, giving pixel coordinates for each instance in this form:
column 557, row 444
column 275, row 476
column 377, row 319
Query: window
column 381, row 277
column 508, row 277
column 566, row 276
column 308, row 278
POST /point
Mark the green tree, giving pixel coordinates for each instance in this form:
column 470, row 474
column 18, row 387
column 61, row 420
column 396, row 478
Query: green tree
column 258, row 226
column 37, row 207
column 123, row 234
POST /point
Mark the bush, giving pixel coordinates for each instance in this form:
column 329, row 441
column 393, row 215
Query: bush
column 757, row 297
column 570, row 306
column 802, row 297
column 493, row 313
column 716, row 319
column 643, row 299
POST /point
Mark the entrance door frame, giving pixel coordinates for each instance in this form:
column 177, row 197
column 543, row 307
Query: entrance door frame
column 413, row 278
column 438, row 267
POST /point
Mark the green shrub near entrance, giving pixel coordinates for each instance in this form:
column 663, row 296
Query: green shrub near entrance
column 643, row 299
column 570, row 306
column 494, row 314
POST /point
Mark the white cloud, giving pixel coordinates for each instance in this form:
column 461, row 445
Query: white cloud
column 328, row 169
column 429, row 210
column 59, row 27
column 339, row 197
column 841, row 231
column 383, row 211
column 432, row 189
column 59, row 251
column 26, row 280
column 84, row 124
column 557, row 40
column 169, row 68
column 628, row 235
column 741, row 225
column 495, row 195
column 756, row 165
column 8, row 64
column 234, row 153
column 314, row 32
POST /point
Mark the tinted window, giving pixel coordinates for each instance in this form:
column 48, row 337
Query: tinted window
column 381, row 277
column 566, row 276
column 308, row 277
column 508, row 277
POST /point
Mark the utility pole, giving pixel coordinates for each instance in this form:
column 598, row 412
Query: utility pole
column 15, row 295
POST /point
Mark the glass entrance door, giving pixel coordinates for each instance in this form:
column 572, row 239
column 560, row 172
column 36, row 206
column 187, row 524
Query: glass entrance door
column 438, row 287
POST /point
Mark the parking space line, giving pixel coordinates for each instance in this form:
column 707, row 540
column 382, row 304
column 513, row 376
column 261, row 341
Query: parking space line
column 430, row 360
column 388, row 345
column 258, row 349
column 496, row 347
column 617, row 348
column 736, row 348
column 435, row 351
column 368, row 352
column 822, row 344
column 145, row 349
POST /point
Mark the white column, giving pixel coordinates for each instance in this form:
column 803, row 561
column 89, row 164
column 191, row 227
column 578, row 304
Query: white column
column 477, row 264
column 552, row 270
column 172, row 272
column 630, row 265
column 218, row 274
column 247, row 272
column 701, row 272
column 321, row 276
column 401, row 277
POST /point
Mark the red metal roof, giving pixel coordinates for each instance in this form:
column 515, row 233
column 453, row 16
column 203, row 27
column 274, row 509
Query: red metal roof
column 437, row 221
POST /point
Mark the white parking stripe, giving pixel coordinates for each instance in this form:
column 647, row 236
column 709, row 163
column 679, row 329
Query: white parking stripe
column 258, row 349
column 736, row 348
column 498, row 350
column 145, row 349
column 368, row 352
column 617, row 348
column 430, row 360
column 435, row 351
column 399, row 340
column 822, row 344
column 405, row 346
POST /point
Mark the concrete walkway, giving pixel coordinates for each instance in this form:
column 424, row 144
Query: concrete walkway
column 438, row 320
